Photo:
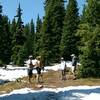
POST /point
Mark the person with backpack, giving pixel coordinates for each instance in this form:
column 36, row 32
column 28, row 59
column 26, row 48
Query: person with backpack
column 30, row 66
column 63, row 69
column 74, row 64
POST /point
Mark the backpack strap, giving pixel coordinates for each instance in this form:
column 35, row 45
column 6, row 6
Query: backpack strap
column 31, row 65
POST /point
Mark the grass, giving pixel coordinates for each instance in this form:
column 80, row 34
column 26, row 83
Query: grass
column 51, row 80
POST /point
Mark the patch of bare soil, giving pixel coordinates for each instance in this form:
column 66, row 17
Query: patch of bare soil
column 52, row 79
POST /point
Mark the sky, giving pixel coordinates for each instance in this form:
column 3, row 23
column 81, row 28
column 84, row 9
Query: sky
column 31, row 8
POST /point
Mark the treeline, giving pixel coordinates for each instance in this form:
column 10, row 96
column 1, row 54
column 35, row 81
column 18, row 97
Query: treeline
column 62, row 32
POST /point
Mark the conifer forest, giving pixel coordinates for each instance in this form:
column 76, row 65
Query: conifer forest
column 62, row 32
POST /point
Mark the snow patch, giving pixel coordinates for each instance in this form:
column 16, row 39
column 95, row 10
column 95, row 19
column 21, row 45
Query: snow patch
column 66, row 93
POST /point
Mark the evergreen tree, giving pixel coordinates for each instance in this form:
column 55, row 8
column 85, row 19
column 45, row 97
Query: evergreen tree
column 13, row 26
column 90, row 51
column 5, row 39
column 6, row 43
column 1, row 31
column 69, row 40
column 38, row 36
column 51, row 29
column 0, row 12
column 18, row 40
column 90, row 41
column 38, row 24
column 92, row 12
column 27, row 42
column 29, row 45
column 32, row 38
column 82, row 17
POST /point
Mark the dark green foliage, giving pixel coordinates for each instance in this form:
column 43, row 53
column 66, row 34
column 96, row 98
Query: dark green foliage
column 19, row 20
column 13, row 27
column 82, row 17
column 6, row 43
column 38, row 36
column 27, row 42
column 22, row 55
column 90, row 57
column 69, row 40
column 5, row 39
column 30, row 35
column 32, row 38
column 89, row 32
column 1, row 33
column 14, row 56
column 38, row 25
column 92, row 13
column 51, row 29
column 18, row 38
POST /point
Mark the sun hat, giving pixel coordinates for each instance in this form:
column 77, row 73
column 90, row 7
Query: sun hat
column 62, row 58
column 30, row 56
column 72, row 55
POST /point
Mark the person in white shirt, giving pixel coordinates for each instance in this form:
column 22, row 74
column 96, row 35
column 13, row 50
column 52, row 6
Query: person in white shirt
column 63, row 69
column 74, row 64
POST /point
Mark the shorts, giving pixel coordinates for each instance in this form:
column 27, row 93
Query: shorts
column 74, row 63
column 30, row 72
column 63, row 72
column 38, row 69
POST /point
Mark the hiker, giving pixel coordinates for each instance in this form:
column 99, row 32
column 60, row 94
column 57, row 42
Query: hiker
column 38, row 69
column 63, row 69
column 74, row 63
column 30, row 66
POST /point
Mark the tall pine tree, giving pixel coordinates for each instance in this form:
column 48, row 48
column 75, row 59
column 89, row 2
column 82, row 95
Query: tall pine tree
column 5, row 39
column 32, row 38
column 90, row 40
column 52, row 29
column 18, row 40
column 29, row 45
column 69, row 40
column 92, row 12
column 1, row 31
column 26, row 46
column 38, row 36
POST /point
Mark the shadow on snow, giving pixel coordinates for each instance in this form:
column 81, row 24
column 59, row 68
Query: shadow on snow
column 74, row 94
